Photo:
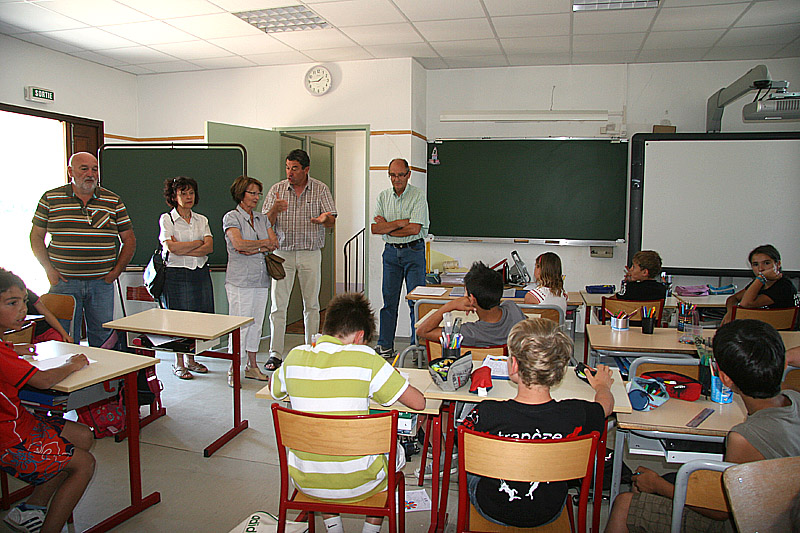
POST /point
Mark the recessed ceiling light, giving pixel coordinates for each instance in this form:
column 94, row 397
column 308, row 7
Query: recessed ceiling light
column 604, row 5
column 281, row 19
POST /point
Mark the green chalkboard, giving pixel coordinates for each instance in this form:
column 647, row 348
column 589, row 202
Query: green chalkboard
column 137, row 174
column 528, row 189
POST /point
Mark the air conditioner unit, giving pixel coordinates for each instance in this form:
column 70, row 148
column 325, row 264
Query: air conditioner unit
column 778, row 106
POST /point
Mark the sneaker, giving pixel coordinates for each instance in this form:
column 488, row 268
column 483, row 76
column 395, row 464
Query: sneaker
column 429, row 469
column 385, row 352
column 27, row 521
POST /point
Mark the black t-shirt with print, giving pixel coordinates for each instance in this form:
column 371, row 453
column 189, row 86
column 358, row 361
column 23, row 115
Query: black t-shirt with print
column 525, row 504
column 782, row 293
column 648, row 289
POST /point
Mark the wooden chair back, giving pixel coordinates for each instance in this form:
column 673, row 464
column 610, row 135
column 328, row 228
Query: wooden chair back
column 783, row 318
column 791, row 379
column 614, row 306
column 762, row 494
column 23, row 335
column 524, row 460
column 687, row 367
column 61, row 305
column 552, row 312
column 698, row 484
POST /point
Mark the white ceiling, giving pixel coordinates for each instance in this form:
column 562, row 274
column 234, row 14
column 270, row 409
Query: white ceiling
column 156, row 36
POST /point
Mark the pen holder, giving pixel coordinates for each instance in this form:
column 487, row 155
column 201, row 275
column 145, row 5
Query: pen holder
column 449, row 374
column 452, row 353
column 687, row 318
column 719, row 392
column 620, row 324
column 648, row 323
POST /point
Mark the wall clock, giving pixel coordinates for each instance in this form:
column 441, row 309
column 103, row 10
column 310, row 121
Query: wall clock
column 318, row 80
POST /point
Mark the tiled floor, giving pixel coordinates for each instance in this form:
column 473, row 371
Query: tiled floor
column 206, row 494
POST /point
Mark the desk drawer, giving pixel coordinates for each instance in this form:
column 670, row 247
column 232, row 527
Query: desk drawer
column 179, row 345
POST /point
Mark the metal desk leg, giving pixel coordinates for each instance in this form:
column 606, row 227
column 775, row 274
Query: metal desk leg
column 616, row 473
column 441, row 521
column 239, row 425
column 437, row 455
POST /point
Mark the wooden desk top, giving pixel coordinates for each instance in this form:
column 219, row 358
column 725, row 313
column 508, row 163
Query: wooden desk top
column 574, row 299
column 596, row 300
column 673, row 415
column 110, row 364
column 662, row 339
column 419, row 378
column 502, row 389
column 171, row 323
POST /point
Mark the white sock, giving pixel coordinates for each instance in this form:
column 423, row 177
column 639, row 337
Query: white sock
column 334, row 524
column 371, row 528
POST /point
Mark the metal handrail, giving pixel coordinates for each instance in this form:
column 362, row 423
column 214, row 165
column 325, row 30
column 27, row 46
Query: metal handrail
column 352, row 249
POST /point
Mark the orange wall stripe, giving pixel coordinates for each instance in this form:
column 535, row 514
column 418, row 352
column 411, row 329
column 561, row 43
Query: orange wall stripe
column 399, row 132
column 153, row 139
column 415, row 169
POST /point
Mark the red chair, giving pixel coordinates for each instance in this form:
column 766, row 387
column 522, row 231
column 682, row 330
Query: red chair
column 343, row 436
column 614, row 306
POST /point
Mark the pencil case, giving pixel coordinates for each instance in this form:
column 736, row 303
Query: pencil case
column 691, row 290
column 449, row 374
column 600, row 289
column 727, row 289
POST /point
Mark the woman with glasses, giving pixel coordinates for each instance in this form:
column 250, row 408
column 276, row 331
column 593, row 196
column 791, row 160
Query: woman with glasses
column 248, row 237
column 186, row 235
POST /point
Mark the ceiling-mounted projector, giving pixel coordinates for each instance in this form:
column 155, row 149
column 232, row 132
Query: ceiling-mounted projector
column 778, row 106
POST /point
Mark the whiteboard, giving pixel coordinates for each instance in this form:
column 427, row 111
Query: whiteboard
column 706, row 203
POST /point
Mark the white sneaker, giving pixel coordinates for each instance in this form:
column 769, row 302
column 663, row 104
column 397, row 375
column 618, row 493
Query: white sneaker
column 28, row 521
column 429, row 469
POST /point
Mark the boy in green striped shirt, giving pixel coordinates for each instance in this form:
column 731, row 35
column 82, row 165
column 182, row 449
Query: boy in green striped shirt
column 339, row 375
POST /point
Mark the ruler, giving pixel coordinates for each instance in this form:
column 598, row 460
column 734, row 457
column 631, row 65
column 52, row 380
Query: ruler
column 698, row 419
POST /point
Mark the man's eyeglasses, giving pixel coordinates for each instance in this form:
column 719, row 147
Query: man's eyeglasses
column 403, row 175
column 255, row 193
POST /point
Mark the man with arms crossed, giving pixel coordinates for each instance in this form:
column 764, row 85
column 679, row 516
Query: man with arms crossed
column 300, row 209
column 86, row 223
column 401, row 216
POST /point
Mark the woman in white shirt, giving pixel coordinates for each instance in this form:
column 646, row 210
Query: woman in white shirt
column 187, row 237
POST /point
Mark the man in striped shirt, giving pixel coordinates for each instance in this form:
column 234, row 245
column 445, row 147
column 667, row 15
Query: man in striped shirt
column 337, row 376
column 401, row 217
column 86, row 224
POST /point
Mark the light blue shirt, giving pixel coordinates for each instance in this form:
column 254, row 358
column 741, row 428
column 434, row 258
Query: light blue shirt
column 412, row 205
column 246, row 270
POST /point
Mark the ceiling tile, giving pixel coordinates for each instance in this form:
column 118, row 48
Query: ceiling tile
column 499, row 8
column 760, row 35
column 417, row 10
column 698, row 18
column 349, row 53
column 418, row 50
column 95, row 12
column 31, row 17
column 314, row 39
column 539, row 59
column 98, row 58
column 136, row 55
column 525, row 26
column 792, row 50
column 676, row 54
column 603, row 57
column 383, row 34
column 253, row 44
column 607, row 42
column 224, row 62
column 720, row 53
column 773, row 12
column 671, row 40
column 455, row 30
column 135, row 69
column 192, row 50
column 690, row 3
column 10, row 29
column 483, row 47
column 171, row 66
column 152, row 32
column 359, row 12
column 536, row 45
column 477, row 62
column 214, row 26
column 47, row 42
column 164, row 9
column 282, row 58
column 89, row 38
column 235, row 6
column 431, row 63
column 617, row 21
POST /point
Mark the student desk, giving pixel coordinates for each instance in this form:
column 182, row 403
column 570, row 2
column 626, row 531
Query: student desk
column 204, row 329
column 570, row 388
column 109, row 365
column 420, row 379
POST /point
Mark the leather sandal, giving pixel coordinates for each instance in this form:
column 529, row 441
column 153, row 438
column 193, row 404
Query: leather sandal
column 194, row 366
column 273, row 364
column 181, row 372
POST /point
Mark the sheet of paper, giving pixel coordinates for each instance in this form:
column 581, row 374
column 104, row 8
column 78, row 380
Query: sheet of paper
column 498, row 365
column 428, row 291
column 417, row 500
column 46, row 362
column 510, row 293
column 158, row 340
column 458, row 291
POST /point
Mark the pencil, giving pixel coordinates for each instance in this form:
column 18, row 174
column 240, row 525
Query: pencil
column 396, row 357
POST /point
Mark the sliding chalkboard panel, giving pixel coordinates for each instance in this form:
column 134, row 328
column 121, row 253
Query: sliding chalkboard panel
column 137, row 174
column 570, row 191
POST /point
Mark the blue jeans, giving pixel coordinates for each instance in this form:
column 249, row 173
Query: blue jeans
column 399, row 264
column 94, row 301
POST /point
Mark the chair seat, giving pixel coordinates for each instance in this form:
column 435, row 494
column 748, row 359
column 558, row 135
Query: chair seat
column 376, row 500
column 479, row 524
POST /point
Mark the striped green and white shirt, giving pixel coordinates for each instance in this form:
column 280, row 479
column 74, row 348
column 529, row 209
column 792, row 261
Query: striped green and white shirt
column 412, row 205
column 84, row 239
column 334, row 378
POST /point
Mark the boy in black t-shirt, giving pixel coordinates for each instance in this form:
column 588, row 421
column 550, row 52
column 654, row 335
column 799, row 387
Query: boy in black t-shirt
column 539, row 354
column 640, row 282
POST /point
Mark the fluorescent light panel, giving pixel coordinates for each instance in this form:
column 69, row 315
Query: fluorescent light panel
column 282, row 19
column 577, row 115
column 604, row 5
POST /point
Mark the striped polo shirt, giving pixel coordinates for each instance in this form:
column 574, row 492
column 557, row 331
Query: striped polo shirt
column 84, row 239
column 334, row 378
column 411, row 205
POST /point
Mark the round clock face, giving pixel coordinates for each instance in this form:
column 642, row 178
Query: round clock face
column 318, row 80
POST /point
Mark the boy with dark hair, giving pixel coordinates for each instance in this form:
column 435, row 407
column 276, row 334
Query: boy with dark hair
column 48, row 452
column 484, row 289
column 750, row 356
column 539, row 353
column 338, row 375
column 640, row 282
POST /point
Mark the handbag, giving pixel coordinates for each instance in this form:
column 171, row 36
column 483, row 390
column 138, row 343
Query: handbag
column 155, row 274
column 275, row 266
column 105, row 418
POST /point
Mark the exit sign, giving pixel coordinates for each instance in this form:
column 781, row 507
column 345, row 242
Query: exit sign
column 38, row 94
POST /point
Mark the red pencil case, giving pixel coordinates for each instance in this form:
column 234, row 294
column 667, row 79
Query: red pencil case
column 678, row 386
